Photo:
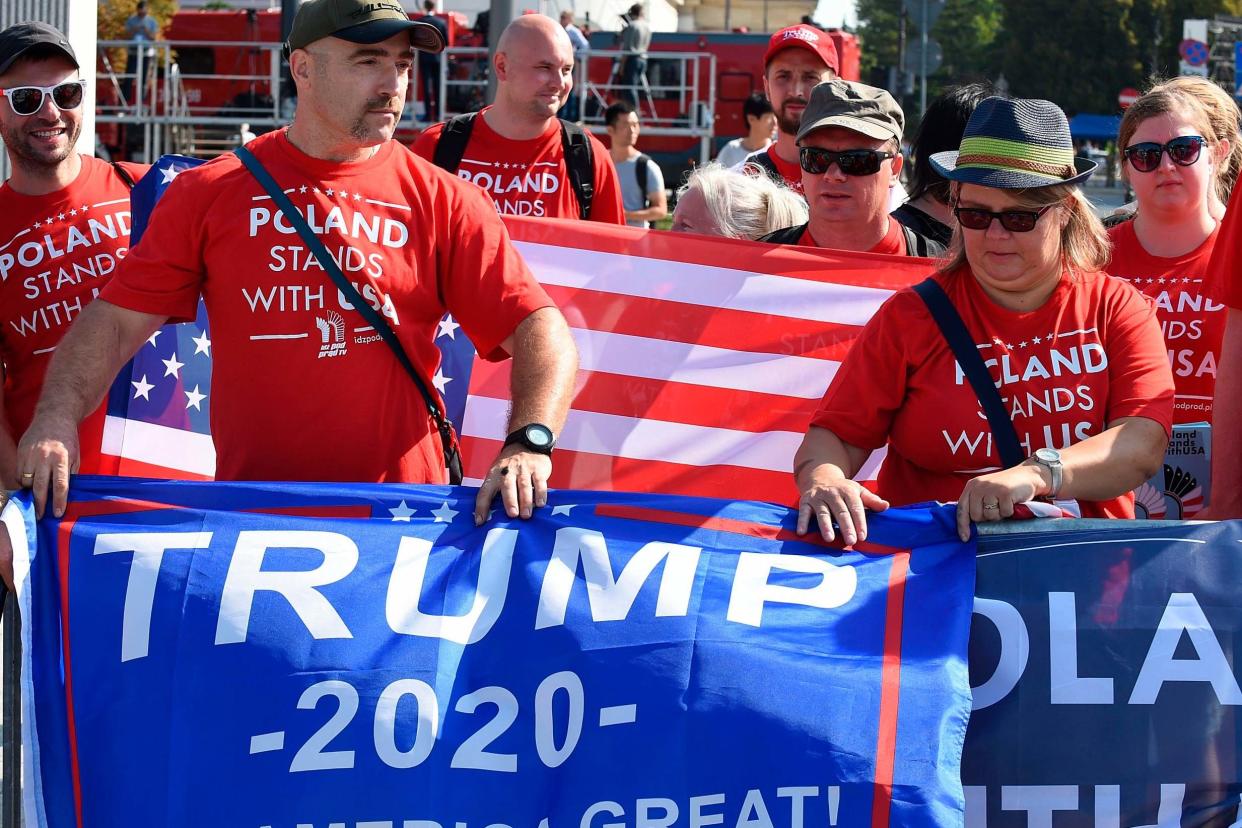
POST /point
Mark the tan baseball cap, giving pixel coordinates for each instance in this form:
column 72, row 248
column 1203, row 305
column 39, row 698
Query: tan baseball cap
column 853, row 106
column 359, row 21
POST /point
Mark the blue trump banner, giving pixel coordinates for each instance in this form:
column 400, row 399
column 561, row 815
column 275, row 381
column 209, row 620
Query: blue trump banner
column 1104, row 667
column 288, row 655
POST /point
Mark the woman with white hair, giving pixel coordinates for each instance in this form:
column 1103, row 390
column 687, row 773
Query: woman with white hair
column 716, row 201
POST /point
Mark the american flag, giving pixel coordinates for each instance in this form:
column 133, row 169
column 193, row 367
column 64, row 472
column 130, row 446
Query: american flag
column 702, row 360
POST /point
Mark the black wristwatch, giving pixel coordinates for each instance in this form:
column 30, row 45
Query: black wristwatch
column 535, row 437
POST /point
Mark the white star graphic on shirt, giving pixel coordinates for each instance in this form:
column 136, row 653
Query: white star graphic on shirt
column 48, row 220
column 61, row 217
column 1022, row 344
column 169, row 174
column 1185, row 280
column 83, row 208
column 172, row 368
column 1161, row 280
column 152, row 337
column 444, row 514
column 315, row 189
column 73, row 212
column 447, row 327
column 1009, row 345
column 302, row 189
column 142, row 388
column 202, row 345
column 562, row 509
column 329, row 191
column 193, row 398
column 440, row 381
column 400, row 513
column 1037, row 340
column 357, row 196
column 37, row 225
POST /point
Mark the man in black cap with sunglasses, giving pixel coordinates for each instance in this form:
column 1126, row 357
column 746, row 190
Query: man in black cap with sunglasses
column 849, row 151
column 313, row 375
column 64, row 226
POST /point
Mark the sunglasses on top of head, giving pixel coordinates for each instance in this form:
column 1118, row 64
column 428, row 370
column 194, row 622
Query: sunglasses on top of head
column 27, row 100
column 816, row 161
column 1015, row 221
column 1183, row 151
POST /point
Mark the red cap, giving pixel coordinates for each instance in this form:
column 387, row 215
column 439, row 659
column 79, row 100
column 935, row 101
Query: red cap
column 805, row 37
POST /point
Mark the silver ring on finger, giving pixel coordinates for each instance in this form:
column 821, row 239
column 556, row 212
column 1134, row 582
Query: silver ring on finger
column 988, row 507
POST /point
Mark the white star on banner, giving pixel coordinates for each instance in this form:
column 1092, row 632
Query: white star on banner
column 202, row 345
column 142, row 388
column 193, row 398
column 151, row 339
column 447, row 327
column 562, row 509
column 169, row 174
column 444, row 514
column 400, row 513
column 440, row 381
column 172, row 368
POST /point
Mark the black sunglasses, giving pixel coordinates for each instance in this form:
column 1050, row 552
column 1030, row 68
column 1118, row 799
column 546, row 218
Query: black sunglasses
column 27, row 100
column 1015, row 221
column 1183, row 151
column 816, row 161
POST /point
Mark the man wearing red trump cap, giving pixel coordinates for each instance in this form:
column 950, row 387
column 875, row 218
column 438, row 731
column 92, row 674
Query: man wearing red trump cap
column 798, row 59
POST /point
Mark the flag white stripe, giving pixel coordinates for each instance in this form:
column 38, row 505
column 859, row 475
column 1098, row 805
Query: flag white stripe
column 706, row 285
column 647, row 439
column 159, row 445
column 790, row 376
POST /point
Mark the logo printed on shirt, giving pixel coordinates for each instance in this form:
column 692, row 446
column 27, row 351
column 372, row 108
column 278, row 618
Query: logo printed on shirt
column 516, row 189
column 332, row 334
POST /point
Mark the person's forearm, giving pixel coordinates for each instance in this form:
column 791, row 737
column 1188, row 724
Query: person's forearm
column 1226, row 497
column 1110, row 464
column 821, row 447
column 86, row 361
column 647, row 214
column 545, row 360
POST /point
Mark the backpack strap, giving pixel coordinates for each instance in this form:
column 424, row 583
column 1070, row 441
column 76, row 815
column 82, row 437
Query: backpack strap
column 579, row 164
column 123, row 174
column 448, row 440
column 786, row 235
column 967, row 354
column 451, row 147
column 640, row 172
column 764, row 162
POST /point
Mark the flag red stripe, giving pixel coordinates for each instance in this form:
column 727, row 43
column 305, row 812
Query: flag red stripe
column 125, row 467
column 872, row 270
column 655, row 399
column 890, row 692
column 584, row 470
column 735, row 330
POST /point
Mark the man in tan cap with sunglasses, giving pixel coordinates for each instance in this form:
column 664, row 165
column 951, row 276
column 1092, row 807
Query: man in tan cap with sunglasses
column 849, row 151
column 303, row 388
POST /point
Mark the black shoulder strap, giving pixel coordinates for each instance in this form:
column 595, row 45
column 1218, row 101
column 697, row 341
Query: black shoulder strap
column 640, row 172
column 786, row 235
column 451, row 147
column 765, row 163
column 580, row 164
column 123, row 174
column 374, row 318
column 963, row 345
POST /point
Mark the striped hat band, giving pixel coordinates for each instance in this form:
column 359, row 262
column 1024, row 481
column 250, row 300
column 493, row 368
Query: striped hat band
column 1051, row 163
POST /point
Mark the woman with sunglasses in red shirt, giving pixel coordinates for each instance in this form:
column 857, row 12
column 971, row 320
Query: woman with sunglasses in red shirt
column 1179, row 142
column 1070, row 363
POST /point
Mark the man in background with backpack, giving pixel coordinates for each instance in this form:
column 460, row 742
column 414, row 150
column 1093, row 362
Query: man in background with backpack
column 642, row 182
column 529, row 161
column 64, row 226
column 326, row 255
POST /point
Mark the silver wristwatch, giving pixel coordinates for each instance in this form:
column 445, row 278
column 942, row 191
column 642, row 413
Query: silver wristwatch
column 1050, row 459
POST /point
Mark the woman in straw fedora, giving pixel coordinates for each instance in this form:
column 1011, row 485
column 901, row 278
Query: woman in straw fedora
column 1083, row 397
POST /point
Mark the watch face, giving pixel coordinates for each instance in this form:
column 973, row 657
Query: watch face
column 539, row 436
column 1048, row 455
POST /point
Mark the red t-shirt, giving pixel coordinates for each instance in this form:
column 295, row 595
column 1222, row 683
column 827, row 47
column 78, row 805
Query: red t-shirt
column 893, row 243
column 302, row 388
column 791, row 172
column 58, row 252
column 529, row 178
column 1092, row 354
column 1224, row 284
column 1193, row 324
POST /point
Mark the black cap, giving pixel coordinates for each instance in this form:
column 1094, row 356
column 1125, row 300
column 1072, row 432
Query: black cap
column 359, row 21
column 15, row 41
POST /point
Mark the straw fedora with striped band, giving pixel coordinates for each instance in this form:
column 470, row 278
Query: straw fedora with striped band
column 1015, row 144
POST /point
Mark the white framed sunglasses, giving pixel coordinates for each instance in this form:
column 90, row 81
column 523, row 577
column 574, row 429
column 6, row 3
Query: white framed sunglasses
column 27, row 100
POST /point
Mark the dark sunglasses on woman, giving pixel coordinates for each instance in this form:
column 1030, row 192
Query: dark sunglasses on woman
column 27, row 100
column 1183, row 151
column 1015, row 221
column 816, row 161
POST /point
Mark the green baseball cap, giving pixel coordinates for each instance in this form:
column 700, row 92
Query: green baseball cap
column 359, row 21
